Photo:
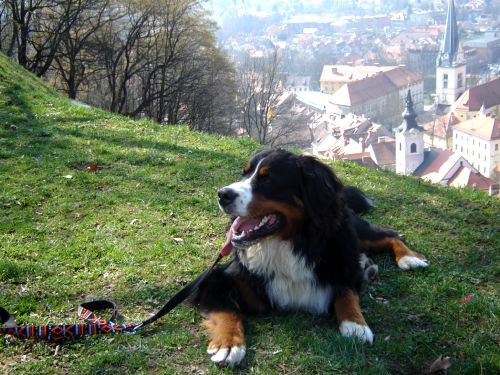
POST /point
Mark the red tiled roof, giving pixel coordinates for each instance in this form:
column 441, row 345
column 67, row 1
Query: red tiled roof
column 384, row 152
column 374, row 86
column 441, row 125
column 484, row 127
column 401, row 77
column 474, row 179
column 347, row 73
column 433, row 161
column 363, row 90
column 473, row 98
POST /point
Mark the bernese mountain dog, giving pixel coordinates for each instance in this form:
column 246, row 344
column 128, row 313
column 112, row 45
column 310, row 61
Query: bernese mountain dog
column 297, row 243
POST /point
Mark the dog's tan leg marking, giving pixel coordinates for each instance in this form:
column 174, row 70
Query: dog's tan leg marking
column 351, row 320
column 405, row 258
column 227, row 338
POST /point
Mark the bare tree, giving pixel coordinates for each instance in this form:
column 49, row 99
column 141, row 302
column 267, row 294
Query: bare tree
column 38, row 27
column 266, row 108
column 154, row 58
column 75, row 59
column 121, row 47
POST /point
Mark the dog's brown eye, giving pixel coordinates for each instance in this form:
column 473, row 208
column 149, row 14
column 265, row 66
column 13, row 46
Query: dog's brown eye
column 264, row 171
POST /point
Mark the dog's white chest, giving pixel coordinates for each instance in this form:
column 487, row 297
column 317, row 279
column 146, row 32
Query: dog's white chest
column 291, row 285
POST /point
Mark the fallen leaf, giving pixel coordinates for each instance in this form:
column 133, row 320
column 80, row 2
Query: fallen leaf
column 92, row 167
column 178, row 241
column 467, row 298
column 440, row 364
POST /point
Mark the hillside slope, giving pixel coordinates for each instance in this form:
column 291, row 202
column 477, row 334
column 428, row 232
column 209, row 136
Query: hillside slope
column 96, row 205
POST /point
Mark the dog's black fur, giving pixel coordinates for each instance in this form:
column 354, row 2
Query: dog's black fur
column 319, row 217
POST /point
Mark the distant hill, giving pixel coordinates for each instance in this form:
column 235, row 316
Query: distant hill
column 97, row 205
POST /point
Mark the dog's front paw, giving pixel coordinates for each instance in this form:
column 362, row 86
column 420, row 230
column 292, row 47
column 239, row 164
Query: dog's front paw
column 362, row 332
column 410, row 262
column 226, row 356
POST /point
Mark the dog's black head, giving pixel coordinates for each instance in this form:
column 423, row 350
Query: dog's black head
column 282, row 194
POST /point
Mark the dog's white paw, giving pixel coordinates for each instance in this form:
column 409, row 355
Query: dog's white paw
column 409, row 262
column 231, row 357
column 351, row 329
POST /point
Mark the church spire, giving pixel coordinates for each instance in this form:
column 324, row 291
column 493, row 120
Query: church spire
column 409, row 116
column 450, row 53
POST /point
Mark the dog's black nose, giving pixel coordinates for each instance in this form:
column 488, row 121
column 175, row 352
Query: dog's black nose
column 226, row 196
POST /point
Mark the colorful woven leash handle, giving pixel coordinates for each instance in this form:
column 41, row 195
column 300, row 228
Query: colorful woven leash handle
column 94, row 324
column 58, row 332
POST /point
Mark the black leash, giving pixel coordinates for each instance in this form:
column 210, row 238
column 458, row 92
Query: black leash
column 95, row 325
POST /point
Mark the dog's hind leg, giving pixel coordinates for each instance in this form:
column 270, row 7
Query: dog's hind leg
column 375, row 240
column 405, row 258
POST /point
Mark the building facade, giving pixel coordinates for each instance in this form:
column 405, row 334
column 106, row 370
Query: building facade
column 478, row 141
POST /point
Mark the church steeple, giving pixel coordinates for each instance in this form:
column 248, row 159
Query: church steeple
column 450, row 52
column 450, row 62
column 409, row 141
column 409, row 116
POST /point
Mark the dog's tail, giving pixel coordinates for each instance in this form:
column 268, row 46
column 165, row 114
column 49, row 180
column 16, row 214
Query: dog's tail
column 356, row 200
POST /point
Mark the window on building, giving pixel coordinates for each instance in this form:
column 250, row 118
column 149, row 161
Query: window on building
column 496, row 147
column 413, row 148
column 460, row 80
column 445, row 81
column 461, row 149
column 400, row 146
column 456, row 147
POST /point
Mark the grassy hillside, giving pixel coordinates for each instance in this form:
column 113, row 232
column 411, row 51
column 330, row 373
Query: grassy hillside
column 146, row 222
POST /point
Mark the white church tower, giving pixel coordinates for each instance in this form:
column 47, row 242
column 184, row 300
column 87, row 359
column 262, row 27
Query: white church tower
column 409, row 141
column 450, row 63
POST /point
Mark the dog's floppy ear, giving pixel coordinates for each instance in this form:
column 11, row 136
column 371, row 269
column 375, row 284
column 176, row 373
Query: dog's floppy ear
column 322, row 194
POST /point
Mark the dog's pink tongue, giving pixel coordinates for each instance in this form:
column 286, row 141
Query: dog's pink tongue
column 228, row 246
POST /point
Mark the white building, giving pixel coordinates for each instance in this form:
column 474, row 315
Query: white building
column 478, row 141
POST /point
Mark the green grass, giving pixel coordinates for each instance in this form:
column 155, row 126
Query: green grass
column 110, row 234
